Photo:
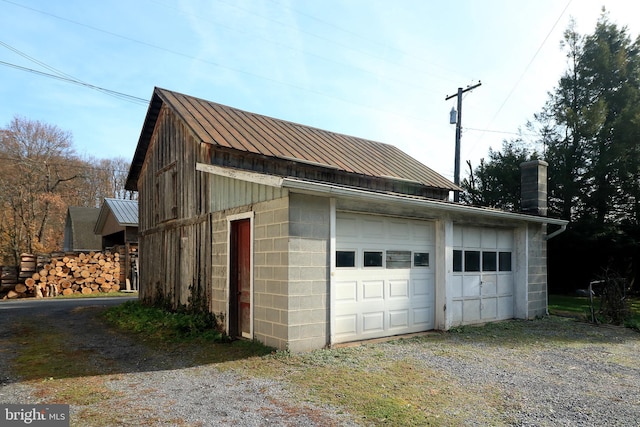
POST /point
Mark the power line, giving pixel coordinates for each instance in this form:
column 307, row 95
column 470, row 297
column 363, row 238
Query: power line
column 515, row 86
column 66, row 163
column 126, row 97
column 384, row 46
column 500, row 131
column 223, row 26
column 531, row 61
column 194, row 58
column 64, row 76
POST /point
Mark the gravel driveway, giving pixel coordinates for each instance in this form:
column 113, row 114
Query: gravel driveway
column 548, row 372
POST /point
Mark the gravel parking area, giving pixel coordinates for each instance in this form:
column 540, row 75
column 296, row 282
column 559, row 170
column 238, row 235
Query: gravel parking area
column 152, row 388
column 547, row 372
column 556, row 372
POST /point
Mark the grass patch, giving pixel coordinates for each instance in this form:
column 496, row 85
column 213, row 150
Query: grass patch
column 571, row 306
column 99, row 417
column 633, row 321
column 81, row 391
column 580, row 308
column 98, row 295
column 60, row 374
column 377, row 389
column 42, row 354
column 194, row 335
column 164, row 325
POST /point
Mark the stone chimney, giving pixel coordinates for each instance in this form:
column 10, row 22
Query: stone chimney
column 533, row 191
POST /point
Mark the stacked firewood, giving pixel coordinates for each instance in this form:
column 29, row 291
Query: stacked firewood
column 83, row 273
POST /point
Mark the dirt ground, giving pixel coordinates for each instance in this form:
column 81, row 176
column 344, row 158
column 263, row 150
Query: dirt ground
column 547, row 372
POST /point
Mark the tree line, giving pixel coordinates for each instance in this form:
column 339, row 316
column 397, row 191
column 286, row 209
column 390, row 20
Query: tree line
column 589, row 133
column 41, row 175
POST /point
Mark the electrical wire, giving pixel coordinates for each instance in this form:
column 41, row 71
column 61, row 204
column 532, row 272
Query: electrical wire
column 216, row 64
column 501, row 131
column 121, row 95
column 326, row 39
column 57, row 74
column 67, row 163
column 533, row 58
column 515, row 86
column 223, row 26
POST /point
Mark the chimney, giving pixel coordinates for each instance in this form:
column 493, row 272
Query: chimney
column 533, row 187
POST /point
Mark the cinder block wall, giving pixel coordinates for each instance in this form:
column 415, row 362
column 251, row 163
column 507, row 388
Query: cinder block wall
column 308, row 285
column 219, row 263
column 270, row 272
column 537, row 294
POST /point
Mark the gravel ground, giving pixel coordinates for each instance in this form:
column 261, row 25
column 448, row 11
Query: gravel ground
column 160, row 388
column 565, row 373
column 556, row 372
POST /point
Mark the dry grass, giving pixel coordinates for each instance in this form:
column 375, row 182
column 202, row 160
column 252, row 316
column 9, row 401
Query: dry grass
column 364, row 380
column 378, row 390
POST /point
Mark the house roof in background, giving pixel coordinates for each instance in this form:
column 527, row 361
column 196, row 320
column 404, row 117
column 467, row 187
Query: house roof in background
column 254, row 133
column 82, row 222
column 125, row 212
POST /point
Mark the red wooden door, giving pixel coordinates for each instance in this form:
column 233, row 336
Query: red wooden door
column 241, row 278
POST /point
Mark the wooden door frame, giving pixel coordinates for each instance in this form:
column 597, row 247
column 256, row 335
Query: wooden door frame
column 230, row 300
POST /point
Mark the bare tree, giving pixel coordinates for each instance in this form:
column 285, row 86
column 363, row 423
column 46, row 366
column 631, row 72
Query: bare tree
column 37, row 167
column 40, row 177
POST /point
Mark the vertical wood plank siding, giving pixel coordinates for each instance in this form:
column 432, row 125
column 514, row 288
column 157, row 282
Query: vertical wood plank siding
column 175, row 228
column 183, row 234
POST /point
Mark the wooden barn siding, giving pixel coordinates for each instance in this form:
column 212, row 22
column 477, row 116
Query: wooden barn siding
column 185, row 257
column 175, row 226
column 304, row 170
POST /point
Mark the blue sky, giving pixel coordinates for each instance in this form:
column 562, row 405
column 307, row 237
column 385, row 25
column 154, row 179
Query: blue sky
column 374, row 69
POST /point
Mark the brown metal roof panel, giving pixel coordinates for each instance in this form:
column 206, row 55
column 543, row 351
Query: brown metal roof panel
column 252, row 134
column 363, row 156
column 230, row 127
column 326, row 147
column 190, row 113
column 273, row 137
column 216, row 128
column 339, row 148
column 307, row 147
column 241, row 139
column 319, row 147
column 292, row 144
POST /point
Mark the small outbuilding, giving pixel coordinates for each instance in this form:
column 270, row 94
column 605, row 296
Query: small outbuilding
column 303, row 238
column 117, row 224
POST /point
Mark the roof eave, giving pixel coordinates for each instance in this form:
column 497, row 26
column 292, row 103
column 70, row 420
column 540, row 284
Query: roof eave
column 102, row 219
column 445, row 207
column 155, row 105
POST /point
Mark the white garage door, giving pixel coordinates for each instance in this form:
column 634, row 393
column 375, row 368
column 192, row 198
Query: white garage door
column 482, row 288
column 384, row 277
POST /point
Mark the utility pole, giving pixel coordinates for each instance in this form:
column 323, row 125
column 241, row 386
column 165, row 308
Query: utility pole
column 456, row 170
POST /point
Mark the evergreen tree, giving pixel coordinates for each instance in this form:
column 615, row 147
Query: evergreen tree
column 496, row 183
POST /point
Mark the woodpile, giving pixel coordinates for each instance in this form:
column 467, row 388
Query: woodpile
column 68, row 274
column 27, row 266
column 8, row 276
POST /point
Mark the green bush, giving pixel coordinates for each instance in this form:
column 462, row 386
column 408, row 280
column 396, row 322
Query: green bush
column 164, row 324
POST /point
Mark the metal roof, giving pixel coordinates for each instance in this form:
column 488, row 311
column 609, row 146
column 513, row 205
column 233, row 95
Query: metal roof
column 125, row 212
column 232, row 128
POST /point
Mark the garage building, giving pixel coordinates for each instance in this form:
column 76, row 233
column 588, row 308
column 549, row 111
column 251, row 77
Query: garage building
column 303, row 238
